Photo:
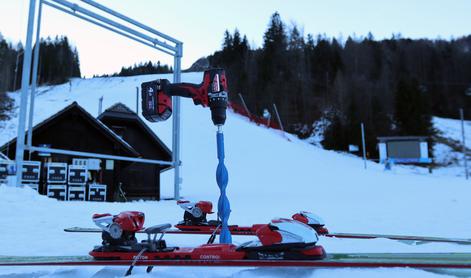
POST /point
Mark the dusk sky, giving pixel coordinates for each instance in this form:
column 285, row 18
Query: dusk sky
column 200, row 24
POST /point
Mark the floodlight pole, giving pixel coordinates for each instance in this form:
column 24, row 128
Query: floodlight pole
column 20, row 142
column 100, row 105
column 278, row 117
column 34, row 78
column 176, row 123
column 363, row 143
column 16, row 69
column 464, row 145
column 245, row 106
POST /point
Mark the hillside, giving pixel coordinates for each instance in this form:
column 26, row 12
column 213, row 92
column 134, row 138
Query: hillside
column 448, row 152
column 269, row 176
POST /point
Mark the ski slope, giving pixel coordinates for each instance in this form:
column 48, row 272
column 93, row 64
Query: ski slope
column 445, row 154
column 269, row 176
column 452, row 129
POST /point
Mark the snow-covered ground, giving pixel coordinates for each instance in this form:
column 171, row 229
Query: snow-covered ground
column 270, row 176
column 451, row 128
column 448, row 151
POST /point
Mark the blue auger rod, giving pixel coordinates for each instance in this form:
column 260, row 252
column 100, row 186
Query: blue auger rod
column 222, row 178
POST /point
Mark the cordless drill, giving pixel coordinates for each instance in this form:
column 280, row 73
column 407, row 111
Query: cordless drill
column 212, row 92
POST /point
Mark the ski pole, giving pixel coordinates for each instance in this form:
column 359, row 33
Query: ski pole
column 129, row 272
column 213, row 235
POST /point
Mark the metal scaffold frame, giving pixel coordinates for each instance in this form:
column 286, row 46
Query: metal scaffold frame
column 134, row 30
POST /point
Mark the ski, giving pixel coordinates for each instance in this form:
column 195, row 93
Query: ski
column 191, row 231
column 408, row 239
column 415, row 240
column 334, row 260
column 195, row 222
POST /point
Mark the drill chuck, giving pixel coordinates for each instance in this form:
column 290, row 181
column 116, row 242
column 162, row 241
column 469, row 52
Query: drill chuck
column 217, row 96
column 218, row 106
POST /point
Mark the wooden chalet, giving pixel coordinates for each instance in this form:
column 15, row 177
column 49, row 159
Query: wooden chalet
column 117, row 131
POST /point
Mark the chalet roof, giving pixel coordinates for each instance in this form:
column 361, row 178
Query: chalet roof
column 122, row 111
column 117, row 110
column 108, row 132
column 402, row 138
column 120, row 108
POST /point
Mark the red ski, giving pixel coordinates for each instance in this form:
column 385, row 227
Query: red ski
column 356, row 260
column 281, row 243
column 195, row 222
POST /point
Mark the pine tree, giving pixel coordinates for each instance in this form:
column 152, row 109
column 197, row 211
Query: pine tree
column 334, row 135
column 412, row 114
column 275, row 39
